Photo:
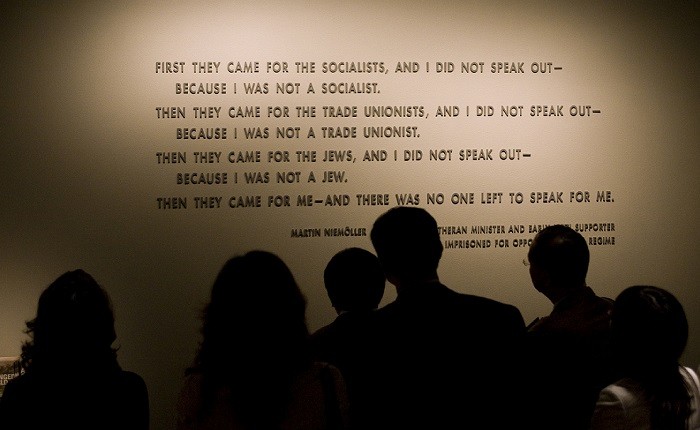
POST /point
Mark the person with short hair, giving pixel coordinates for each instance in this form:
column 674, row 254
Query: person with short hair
column 446, row 357
column 354, row 280
column 567, row 353
column 355, row 283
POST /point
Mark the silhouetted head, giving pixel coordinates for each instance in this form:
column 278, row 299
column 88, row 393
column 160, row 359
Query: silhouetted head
column 649, row 327
column 354, row 280
column 256, row 309
column 407, row 243
column 74, row 321
column 559, row 260
column 255, row 338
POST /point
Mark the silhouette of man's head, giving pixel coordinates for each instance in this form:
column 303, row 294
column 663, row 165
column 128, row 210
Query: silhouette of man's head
column 354, row 280
column 558, row 259
column 74, row 319
column 407, row 243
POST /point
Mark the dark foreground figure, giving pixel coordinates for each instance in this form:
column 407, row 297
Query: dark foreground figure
column 567, row 359
column 445, row 358
column 650, row 331
column 72, row 379
column 355, row 283
column 254, row 368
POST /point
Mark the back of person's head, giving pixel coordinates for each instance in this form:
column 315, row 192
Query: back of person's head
column 649, row 325
column 255, row 338
column 407, row 242
column 74, row 324
column 354, row 280
column 650, row 331
column 562, row 254
column 255, row 303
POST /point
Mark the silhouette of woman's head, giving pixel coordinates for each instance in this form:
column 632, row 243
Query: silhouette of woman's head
column 650, row 331
column 255, row 337
column 649, row 326
column 74, row 322
column 256, row 310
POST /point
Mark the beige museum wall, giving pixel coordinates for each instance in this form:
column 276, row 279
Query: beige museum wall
column 80, row 177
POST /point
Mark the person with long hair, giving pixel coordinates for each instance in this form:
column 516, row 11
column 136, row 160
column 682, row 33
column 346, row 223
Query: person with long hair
column 71, row 375
column 650, row 332
column 254, row 368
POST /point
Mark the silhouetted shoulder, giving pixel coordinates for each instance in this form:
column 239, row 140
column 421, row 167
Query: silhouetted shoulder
column 487, row 303
column 443, row 303
column 120, row 402
column 494, row 309
column 351, row 324
column 130, row 382
column 498, row 327
column 130, row 398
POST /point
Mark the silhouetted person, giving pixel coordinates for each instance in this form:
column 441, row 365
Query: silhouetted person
column 650, row 331
column 355, row 282
column 254, row 368
column 446, row 356
column 72, row 379
column 567, row 351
